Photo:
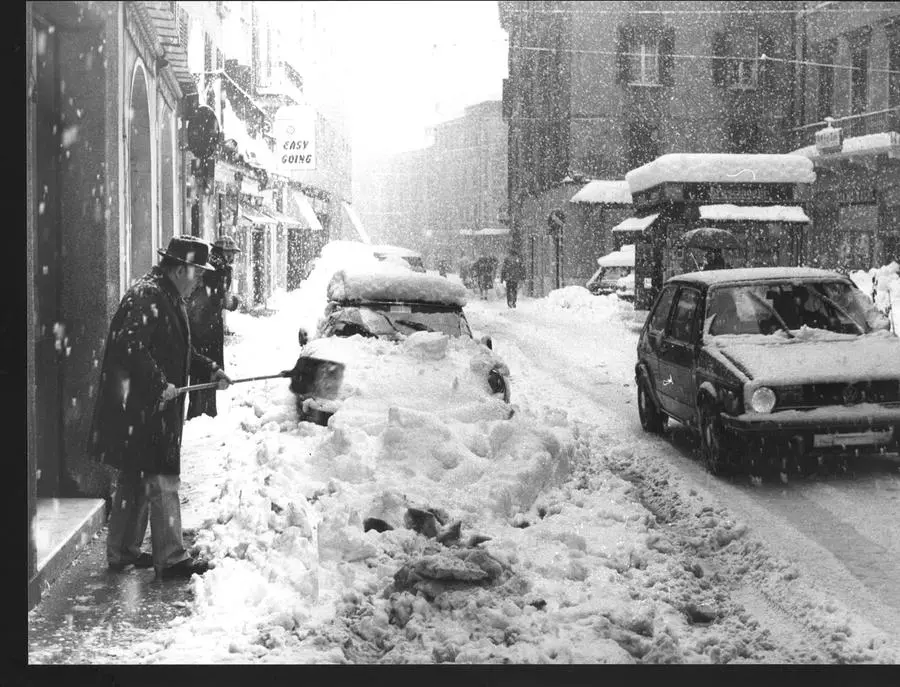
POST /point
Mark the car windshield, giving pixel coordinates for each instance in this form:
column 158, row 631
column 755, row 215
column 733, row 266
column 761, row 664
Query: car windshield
column 390, row 320
column 833, row 306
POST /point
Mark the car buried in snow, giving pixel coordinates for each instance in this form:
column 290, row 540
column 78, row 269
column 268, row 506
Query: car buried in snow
column 770, row 367
column 421, row 313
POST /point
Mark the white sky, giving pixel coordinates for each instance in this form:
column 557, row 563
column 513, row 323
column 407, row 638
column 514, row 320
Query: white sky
column 410, row 64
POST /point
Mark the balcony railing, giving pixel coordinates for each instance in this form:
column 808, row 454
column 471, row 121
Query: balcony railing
column 855, row 125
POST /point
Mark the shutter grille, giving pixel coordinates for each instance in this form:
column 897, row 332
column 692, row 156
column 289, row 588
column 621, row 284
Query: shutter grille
column 719, row 66
column 666, row 61
column 626, row 34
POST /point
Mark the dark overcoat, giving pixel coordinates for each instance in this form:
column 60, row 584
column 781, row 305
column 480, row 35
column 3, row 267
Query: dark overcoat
column 148, row 347
column 513, row 269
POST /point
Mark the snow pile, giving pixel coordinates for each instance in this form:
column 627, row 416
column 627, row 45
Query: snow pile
column 391, row 282
column 579, row 298
column 721, row 168
column 886, row 283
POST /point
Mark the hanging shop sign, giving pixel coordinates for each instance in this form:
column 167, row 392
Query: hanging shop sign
column 295, row 138
column 830, row 139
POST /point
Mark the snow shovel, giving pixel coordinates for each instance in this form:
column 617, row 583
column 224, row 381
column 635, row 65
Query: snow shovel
column 212, row 385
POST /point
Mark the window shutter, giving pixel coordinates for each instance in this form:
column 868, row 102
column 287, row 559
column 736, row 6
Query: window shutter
column 626, row 34
column 719, row 66
column 768, row 70
column 666, row 59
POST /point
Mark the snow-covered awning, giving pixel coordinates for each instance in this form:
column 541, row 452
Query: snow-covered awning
column 254, row 215
column 606, row 191
column 635, row 223
column 753, row 213
column 870, row 144
column 284, row 219
column 488, row 231
column 356, row 222
column 302, row 209
column 721, row 168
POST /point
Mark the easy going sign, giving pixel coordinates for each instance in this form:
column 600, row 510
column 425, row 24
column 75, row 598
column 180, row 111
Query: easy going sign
column 295, row 138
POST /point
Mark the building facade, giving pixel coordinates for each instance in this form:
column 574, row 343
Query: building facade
column 249, row 61
column 436, row 199
column 106, row 85
column 598, row 88
column 850, row 128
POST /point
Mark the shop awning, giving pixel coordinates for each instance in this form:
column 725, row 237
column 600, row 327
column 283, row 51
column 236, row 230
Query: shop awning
column 636, row 223
column 487, row 231
column 355, row 221
column 753, row 213
column 254, row 215
column 604, row 191
column 284, row 219
column 305, row 211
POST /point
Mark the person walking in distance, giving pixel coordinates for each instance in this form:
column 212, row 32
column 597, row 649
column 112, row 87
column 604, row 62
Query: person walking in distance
column 139, row 415
column 206, row 306
column 512, row 272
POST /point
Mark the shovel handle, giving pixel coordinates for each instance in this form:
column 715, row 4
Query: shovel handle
column 213, row 385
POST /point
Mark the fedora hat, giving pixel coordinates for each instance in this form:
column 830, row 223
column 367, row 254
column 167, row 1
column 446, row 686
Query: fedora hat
column 188, row 250
column 226, row 243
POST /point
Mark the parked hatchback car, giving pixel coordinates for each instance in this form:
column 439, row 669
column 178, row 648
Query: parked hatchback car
column 612, row 268
column 770, row 364
column 394, row 305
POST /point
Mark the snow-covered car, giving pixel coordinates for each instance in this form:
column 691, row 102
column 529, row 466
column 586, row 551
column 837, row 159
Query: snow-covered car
column 612, row 267
column 770, row 364
column 424, row 314
column 625, row 287
column 411, row 258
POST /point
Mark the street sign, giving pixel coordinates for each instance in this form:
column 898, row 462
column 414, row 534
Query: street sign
column 295, row 138
column 556, row 220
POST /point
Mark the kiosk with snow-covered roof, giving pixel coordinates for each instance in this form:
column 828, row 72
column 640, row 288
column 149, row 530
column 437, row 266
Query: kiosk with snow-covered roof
column 755, row 197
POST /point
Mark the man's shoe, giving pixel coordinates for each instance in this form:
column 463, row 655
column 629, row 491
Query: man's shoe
column 185, row 569
column 144, row 560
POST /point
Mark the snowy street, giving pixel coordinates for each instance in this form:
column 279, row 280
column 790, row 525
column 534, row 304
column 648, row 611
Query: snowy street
column 606, row 545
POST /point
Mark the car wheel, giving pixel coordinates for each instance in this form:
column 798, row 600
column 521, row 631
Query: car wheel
column 652, row 419
column 716, row 449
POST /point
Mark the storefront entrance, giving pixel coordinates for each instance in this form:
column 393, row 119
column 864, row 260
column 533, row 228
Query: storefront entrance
column 67, row 111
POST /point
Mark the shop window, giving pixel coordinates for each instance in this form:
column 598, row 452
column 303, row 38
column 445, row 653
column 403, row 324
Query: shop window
column 825, row 93
column 859, row 75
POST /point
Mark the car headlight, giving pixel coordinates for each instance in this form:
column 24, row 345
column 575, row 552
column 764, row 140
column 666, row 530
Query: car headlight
column 499, row 382
column 762, row 400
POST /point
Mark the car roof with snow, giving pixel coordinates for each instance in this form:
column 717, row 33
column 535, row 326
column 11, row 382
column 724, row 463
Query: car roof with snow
column 749, row 274
column 384, row 249
column 387, row 283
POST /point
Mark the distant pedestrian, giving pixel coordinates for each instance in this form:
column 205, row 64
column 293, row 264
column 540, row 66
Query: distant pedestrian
column 714, row 260
column 484, row 269
column 138, row 416
column 206, row 306
column 512, row 272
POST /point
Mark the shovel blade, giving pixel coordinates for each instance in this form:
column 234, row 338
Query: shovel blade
column 317, row 378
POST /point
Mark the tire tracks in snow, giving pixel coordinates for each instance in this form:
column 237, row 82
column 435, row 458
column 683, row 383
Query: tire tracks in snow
column 809, row 627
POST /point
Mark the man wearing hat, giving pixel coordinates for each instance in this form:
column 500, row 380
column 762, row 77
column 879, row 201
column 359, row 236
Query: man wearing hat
column 138, row 416
column 206, row 307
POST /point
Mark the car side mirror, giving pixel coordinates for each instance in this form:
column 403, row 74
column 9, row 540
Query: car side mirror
column 487, row 341
column 302, row 336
